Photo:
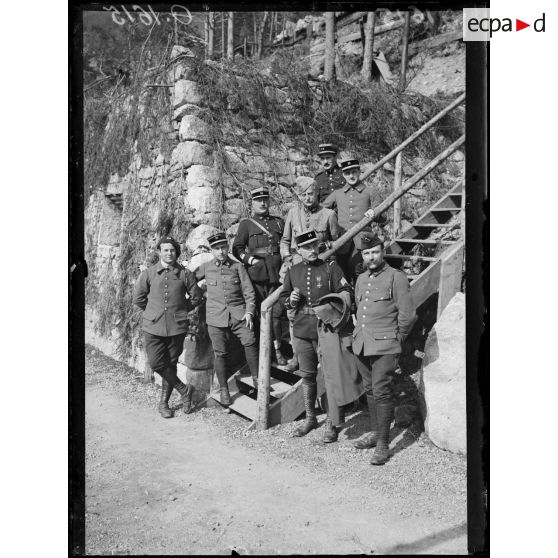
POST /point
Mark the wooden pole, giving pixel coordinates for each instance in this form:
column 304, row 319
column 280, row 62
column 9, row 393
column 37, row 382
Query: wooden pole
column 368, row 46
column 211, row 34
column 265, row 360
column 404, row 56
column 413, row 137
column 230, row 37
column 329, row 63
column 245, row 43
column 396, row 185
column 223, row 34
column 388, row 202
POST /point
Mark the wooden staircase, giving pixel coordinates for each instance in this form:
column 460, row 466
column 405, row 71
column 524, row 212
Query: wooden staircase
column 430, row 251
column 285, row 397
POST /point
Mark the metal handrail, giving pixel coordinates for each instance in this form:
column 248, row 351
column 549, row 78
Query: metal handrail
column 265, row 321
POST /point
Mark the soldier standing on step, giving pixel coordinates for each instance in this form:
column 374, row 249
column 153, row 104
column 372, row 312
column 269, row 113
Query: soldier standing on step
column 230, row 309
column 353, row 202
column 304, row 216
column 160, row 292
column 385, row 315
column 256, row 245
column 304, row 285
column 331, row 177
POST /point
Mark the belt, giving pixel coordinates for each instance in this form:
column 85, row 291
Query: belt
column 267, row 251
column 308, row 310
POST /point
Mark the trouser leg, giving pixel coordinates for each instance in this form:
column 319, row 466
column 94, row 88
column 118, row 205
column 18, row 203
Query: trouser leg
column 306, row 349
column 219, row 342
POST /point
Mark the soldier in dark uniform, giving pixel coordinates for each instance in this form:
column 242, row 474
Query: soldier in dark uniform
column 304, row 285
column 353, row 202
column 331, row 178
column 256, row 245
column 230, row 309
column 385, row 315
column 161, row 292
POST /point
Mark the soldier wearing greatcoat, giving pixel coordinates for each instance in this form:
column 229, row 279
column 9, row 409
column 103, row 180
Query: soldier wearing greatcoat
column 304, row 285
column 230, row 310
column 385, row 315
column 256, row 245
column 331, row 177
column 353, row 202
column 161, row 292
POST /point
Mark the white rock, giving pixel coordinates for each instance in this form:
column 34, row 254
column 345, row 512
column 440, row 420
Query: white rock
column 200, row 175
column 202, row 200
column 179, row 49
column 195, row 261
column 193, row 128
column 458, row 156
column 182, row 110
column 443, row 380
column 198, row 237
column 186, row 91
column 190, row 153
column 235, row 206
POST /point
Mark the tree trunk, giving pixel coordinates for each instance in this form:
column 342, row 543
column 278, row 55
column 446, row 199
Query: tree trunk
column 368, row 46
column 223, row 34
column 230, row 37
column 404, row 57
column 329, row 63
column 210, row 34
column 260, row 39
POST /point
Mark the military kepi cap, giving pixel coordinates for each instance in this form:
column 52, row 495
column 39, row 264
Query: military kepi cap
column 349, row 164
column 368, row 242
column 258, row 193
column 333, row 311
column 306, row 238
column 169, row 240
column 327, row 149
column 217, row 238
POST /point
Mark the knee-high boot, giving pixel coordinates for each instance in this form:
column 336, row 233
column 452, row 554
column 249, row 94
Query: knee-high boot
column 369, row 439
column 384, row 412
column 309, row 392
column 166, row 391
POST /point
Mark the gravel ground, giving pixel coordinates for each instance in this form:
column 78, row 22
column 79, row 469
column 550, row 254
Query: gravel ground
column 420, row 482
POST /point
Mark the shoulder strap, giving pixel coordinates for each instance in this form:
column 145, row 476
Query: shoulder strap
column 260, row 226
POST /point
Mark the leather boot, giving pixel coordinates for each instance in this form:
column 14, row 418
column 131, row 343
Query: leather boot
column 224, row 396
column 369, row 439
column 164, row 410
column 186, row 391
column 384, row 412
column 309, row 391
column 330, row 432
column 279, row 358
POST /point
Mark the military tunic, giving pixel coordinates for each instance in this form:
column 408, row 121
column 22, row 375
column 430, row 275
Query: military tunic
column 328, row 181
column 252, row 240
column 385, row 311
column 299, row 219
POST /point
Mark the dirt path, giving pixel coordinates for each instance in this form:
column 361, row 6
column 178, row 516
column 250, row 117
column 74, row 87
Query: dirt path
column 178, row 486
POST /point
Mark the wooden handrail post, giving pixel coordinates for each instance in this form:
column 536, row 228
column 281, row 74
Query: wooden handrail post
column 388, row 202
column 264, row 363
column 404, row 55
column 396, row 185
column 412, row 137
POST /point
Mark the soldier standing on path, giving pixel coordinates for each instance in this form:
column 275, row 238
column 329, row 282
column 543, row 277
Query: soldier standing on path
column 160, row 292
column 385, row 315
column 256, row 245
column 353, row 202
column 230, row 309
column 331, row 178
column 305, row 284
column 305, row 216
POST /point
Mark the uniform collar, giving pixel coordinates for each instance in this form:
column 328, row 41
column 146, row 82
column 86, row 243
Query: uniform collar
column 359, row 187
column 313, row 209
column 160, row 267
column 378, row 271
column 332, row 170
column 228, row 262
column 264, row 218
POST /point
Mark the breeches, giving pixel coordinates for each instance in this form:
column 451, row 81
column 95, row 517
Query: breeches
column 263, row 290
column 163, row 351
column 377, row 374
column 307, row 352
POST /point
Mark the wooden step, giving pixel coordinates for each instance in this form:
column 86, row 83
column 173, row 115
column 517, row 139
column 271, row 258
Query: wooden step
column 450, row 209
column 432, row 225
column 244, row 405
column 276, row 388
column 411, row 256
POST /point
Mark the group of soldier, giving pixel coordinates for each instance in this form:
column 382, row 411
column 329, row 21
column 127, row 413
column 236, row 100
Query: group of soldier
column 348, row 313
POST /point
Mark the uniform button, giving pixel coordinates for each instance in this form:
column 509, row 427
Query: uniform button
column 362, row 325
column 367, row 292
column 364, row 307
column 364, row 315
